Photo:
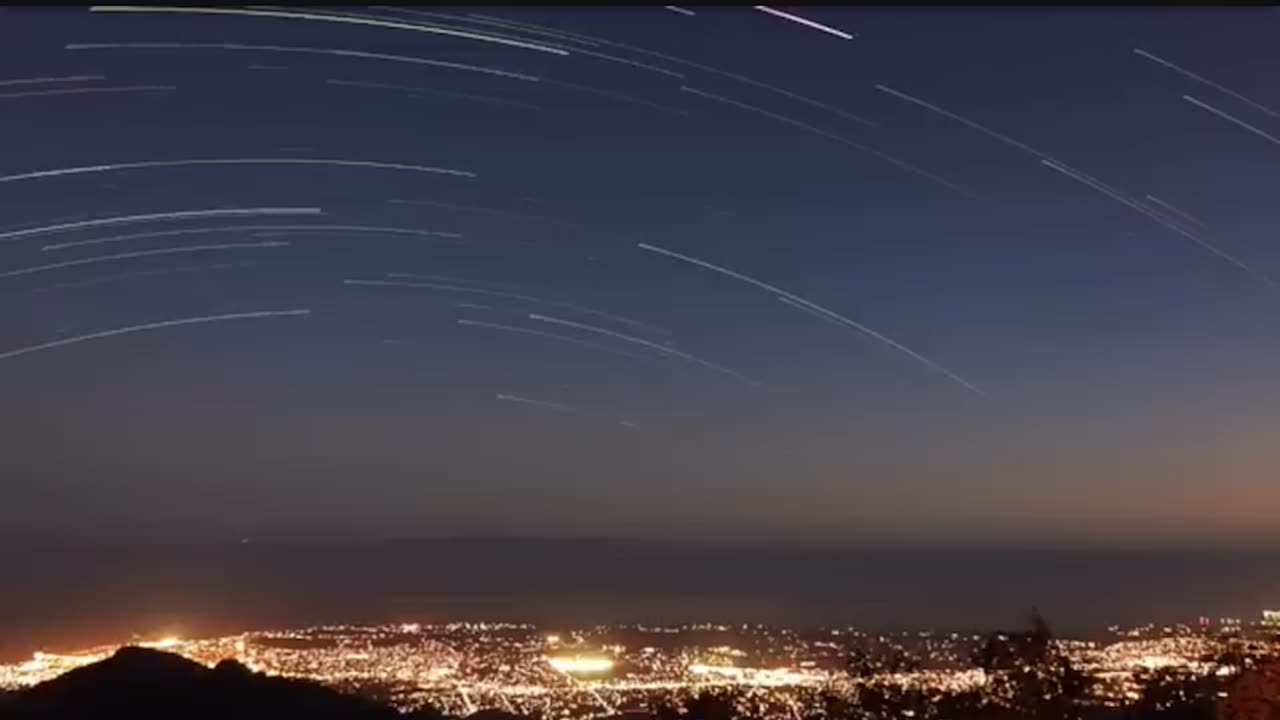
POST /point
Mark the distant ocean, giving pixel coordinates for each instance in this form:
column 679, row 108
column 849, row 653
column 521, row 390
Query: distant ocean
column 66, row 597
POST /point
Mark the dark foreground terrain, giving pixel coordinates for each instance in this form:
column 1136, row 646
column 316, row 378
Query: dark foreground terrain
column 139, row 684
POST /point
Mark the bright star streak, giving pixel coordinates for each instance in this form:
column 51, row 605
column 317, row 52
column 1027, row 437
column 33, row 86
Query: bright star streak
column 388, row 24
column 1231, row 118
column 337, row 52
column 165, row 216
column 817, row 308
column 140, row 253
column 804, row 21
column 151, row 326
column 1201, row 79
column 115, row 167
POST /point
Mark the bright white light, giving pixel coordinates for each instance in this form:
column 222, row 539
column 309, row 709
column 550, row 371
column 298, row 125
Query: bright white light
column 581, row 664
column 804, row 21
column 163, row 643
column 778, row 677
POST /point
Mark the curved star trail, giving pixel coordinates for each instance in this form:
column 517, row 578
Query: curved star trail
column 575, row 51
column 896, row 162
column 86, row 91
column 666, row 350
column 1125, row 200
column 539, row 403
column 804, row 21
column 510, row 295
column 335, row 52
column 50, row 80
column 1206, row 81
column 1081, row 177
column 538, row 333
column 131, row 275
column 144, row 164
column 965, row 121
column 140, row 253
column 595, row 41
column 260, row 230
column 816, row 308
column 558, row 407
column 1232, row 119
column 370, row 229
column 619, row 97
column 482, row 210
column 318, row 17
column 149, row 327
column 428, row 91
column 154, row 217
column 483, row 20
column 1175, row 211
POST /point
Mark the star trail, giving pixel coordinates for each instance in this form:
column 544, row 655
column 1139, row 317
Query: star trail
column 852, row 272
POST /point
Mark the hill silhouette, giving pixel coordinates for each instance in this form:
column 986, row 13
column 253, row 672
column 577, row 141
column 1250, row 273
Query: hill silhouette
column 140, row 684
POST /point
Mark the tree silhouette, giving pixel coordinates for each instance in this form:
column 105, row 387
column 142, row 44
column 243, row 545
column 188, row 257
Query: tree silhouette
column 1030, row 676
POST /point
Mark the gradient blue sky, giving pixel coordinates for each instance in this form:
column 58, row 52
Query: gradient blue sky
column 1128, row 374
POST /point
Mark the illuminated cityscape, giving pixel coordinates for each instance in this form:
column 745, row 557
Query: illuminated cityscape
column 775, row 672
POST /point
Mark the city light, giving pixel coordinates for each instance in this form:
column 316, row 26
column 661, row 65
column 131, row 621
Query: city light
column 459, row 668
column 581, row 664
column 166, row 643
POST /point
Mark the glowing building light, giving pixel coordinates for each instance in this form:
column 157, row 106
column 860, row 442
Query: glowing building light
column 581, row 664
column 164, row 643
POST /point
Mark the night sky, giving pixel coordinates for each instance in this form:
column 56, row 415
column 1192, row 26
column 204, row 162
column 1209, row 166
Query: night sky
column 1045, row 318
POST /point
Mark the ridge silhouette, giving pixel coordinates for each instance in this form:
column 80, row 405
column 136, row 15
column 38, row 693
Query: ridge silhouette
column 139, row 684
